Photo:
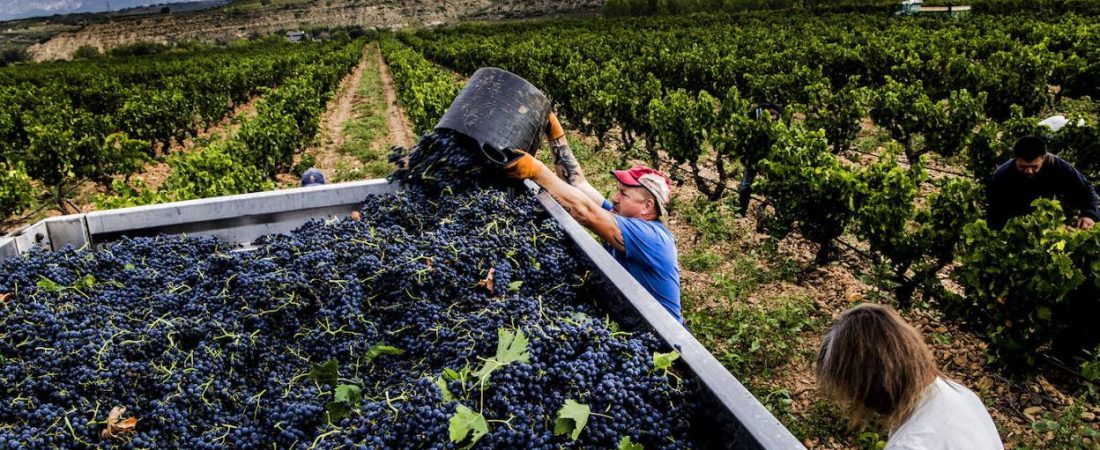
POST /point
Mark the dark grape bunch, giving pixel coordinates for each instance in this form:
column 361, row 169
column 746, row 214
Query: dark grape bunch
column 381, row 332
column 445, row 160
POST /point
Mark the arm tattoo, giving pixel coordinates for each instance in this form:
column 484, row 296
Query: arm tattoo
column 565, row 163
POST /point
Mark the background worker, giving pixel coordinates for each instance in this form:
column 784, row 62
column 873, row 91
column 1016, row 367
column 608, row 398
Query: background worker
column 763, row 111
column 877, row 367
column 313, row 177
column 1033, row 173
column 631, row 224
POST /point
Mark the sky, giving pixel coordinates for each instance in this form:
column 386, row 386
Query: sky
column 18, row 9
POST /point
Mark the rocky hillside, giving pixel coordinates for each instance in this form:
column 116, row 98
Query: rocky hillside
column 231, row 24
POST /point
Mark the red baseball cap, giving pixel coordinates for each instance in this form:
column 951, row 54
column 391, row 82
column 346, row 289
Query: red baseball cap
column 652, row 180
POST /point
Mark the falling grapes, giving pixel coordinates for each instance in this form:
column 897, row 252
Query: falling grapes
column 448, row 308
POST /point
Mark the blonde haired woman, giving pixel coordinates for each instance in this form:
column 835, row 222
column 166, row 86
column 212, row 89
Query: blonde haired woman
column 877, row 367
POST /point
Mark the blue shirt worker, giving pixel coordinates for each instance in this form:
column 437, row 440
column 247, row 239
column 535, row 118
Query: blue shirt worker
column 313, row 177
column 631, row 223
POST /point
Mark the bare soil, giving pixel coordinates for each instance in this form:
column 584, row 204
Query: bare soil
column 339, row 111
column 401, row 130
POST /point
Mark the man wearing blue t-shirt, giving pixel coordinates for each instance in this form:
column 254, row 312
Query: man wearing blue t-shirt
column 631, row 224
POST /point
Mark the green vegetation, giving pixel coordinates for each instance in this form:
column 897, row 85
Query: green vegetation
column 97, row 120
column 424, row 89
column 942, row 89
column 1065, row 430
column 1023, row 280
column 364, row 134
column 753, row 340
column 285, row 122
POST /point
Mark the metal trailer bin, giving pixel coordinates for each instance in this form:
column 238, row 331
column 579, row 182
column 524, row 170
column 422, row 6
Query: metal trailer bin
column 737, row 419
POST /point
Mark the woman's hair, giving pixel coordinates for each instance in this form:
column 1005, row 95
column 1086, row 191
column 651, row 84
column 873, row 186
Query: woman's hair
column 875, row 365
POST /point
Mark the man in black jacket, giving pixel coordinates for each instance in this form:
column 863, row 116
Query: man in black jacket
column 1033, row 173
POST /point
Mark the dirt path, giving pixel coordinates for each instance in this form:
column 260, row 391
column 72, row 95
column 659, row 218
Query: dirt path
column 401, row 131
column 338, row 112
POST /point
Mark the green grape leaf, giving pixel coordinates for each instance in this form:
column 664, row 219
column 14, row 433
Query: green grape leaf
column 579, row 317
column 626, row 444
column 85, row 282
column 348, row 393
column 512, row 347
column 444, row 390
column 325, row 373
column 377, row 350
column 467, row 425
column 48, row 285
column 572, row 417
column 345, row 400
column 663, row 361
column 337, row 411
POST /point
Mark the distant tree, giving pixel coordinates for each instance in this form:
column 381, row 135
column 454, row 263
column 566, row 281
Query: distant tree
column 13, row 55
column 165, row 10
column 138, row 49
column 87, row 51
column 616, row 8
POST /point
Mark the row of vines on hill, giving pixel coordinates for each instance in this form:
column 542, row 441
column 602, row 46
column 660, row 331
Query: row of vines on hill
column 286, row 121
column 68, row 122
column 955, row 91
column 624, row 8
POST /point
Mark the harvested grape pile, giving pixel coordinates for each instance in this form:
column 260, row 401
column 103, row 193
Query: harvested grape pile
column 433, row 318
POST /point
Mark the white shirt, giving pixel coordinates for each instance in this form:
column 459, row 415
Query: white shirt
column 949, row 417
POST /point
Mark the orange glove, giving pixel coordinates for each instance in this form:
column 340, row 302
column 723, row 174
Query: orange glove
column 553, row 129
column 524, row 167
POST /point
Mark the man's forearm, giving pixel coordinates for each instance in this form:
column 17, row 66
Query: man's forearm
column 565, row 162
column 590, row 192
column 570, row 170
column 572, row 198
column 583, row 209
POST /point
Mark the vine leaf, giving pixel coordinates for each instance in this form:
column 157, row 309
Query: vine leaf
column 626, row 444
column 325, row 373
column 48, row 285
column 663, row 361
column 345, row 399
column 377, row 350
column 117, row 427
column 348, row 393
column 467, row 425
column 572, row 417
column 444, row 390
column 511, row 347
column 450, row 374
